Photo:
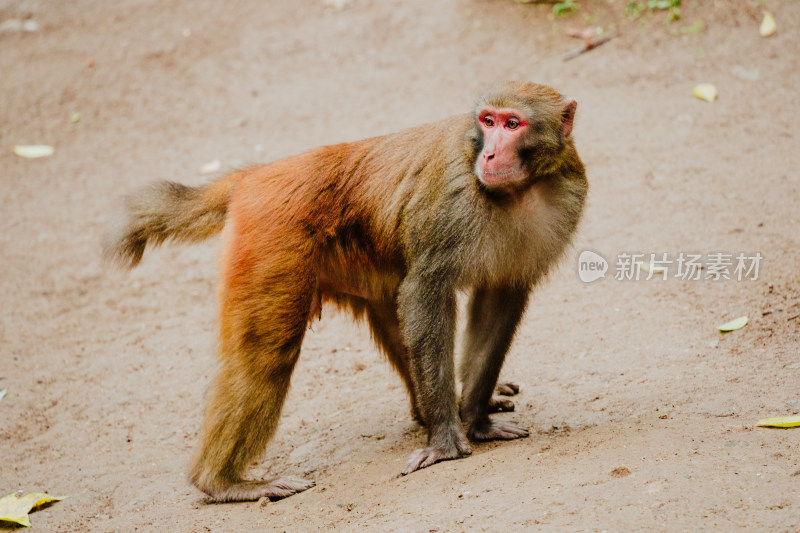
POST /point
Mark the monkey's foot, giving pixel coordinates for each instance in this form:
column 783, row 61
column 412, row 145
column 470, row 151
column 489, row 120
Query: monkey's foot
column 496, row 431
column 497, row 405
column 427, row 456
column 246, row 491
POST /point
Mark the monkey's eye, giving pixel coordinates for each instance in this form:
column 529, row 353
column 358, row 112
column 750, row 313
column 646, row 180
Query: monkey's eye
column 512, row 124
column 488, row 121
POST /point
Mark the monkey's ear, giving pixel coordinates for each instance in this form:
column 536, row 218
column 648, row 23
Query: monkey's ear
column 568, row 117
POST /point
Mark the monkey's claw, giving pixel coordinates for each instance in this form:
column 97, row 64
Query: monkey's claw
column 427, row 456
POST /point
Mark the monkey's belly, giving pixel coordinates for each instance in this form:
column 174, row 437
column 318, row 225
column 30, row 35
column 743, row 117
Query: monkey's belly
column 371, row 286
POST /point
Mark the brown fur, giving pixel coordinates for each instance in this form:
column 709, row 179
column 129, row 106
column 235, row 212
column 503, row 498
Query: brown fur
column 389, row 227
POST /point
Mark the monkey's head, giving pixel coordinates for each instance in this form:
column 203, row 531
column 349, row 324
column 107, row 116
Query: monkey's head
column 520, row 132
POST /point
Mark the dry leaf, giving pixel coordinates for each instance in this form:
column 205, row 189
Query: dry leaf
column 733, row 325
column 780, row 422
column 15, row 508
column 337, row 5
column 210, row 167
column 706, row 91
column 32, row 151
column 18, row 25
column 621, row 471
column 768, row 26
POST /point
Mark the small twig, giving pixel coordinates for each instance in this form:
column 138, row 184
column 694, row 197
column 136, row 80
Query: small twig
column 589, row 45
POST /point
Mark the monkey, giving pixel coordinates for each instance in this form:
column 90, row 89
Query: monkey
column 391, row 228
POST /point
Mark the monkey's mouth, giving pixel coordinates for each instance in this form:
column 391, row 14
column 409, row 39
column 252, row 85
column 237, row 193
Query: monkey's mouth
column 500, row 177
column 500, row 172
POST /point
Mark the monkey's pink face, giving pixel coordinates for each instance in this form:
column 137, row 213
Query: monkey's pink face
column 503, row 130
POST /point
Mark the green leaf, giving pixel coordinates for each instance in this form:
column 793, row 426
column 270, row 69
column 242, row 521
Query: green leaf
column 563, row 8
column 695, row 28
column 633, row 8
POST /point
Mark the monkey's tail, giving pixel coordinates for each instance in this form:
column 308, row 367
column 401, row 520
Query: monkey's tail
column 166, row 210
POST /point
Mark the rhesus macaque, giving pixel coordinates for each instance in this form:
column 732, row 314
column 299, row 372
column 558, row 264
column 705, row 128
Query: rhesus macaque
column 391, row 228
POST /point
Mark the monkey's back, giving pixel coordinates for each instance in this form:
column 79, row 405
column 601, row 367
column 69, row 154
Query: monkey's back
column 362, row 211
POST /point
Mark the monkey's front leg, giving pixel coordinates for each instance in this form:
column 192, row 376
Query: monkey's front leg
column 494, row 314
column 427, row 310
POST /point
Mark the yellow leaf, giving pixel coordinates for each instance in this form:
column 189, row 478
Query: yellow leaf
column 655, row 267
column 33, row 151
column 780, row 422
column 15, row 508
column 706, row 91
column 733, row 325
column 768, row 26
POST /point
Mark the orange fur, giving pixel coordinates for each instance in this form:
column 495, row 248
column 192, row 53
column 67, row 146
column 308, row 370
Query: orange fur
column 387, row 227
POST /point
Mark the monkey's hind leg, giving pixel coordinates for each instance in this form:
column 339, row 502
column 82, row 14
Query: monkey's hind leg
column 241, row 417
column 262, row 327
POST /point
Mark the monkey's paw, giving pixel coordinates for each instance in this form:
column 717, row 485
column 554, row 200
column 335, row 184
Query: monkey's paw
column 496, row 431
column 427, row 456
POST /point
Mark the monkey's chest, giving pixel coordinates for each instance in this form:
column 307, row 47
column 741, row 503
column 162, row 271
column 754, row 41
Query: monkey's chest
column 519, row 247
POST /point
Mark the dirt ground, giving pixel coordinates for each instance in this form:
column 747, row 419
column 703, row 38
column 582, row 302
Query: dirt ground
column 642, row 414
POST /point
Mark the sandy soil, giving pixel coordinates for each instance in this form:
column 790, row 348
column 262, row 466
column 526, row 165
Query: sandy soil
column 642, row 413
